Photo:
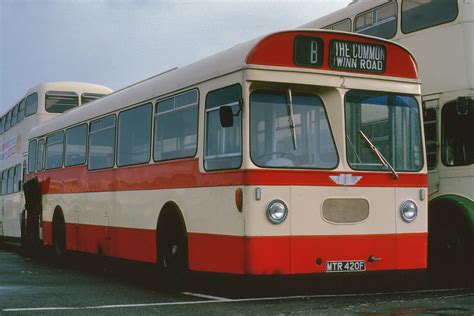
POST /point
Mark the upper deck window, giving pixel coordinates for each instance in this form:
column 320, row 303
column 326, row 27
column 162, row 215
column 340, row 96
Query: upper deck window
column 60, row 101
column 223, row 144
column 457, row 131
column 14, row 115
column 21, row 111
column 54, row 150
column 176, row 122
column 380, row 22
column 2, row 125
column 391, row 122
column 8, row 120
column 274, row 143
column 134, row 135
column 344, row 25
column 31, row 104
column 421, row 14
column 89, row 97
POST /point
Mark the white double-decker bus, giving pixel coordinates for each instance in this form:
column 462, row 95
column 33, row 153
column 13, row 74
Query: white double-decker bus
column 262, row 159
column 39, row 104
column 440, row 34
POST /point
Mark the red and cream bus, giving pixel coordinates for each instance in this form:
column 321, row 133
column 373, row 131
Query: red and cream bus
column 297, row 152
column 39, row 104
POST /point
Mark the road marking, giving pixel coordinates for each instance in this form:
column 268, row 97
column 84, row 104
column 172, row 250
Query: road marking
column 211, row 297
column 225, row 301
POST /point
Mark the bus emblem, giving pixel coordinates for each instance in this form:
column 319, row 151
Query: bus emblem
column 346, row 179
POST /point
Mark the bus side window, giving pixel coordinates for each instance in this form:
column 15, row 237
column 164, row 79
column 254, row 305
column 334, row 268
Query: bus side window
column 2, row 125
column 11, row 174
column 344, row 25
column 457, row 131
column 134, row 135
column 8, row 120
column 31, row 104
column 40, row 156
column 431, row 137
column 176, row 123
column 102, row 143
column 16, row 178
column 14, row 115
column 380, row 22
column 32, row 156
column 4, row 181
column 54, row 150
column 60, row 101
column 76, row 145
column 21, row 111
column 418, row 15
column 223, row 144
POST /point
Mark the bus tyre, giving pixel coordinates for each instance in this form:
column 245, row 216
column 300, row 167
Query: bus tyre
column 450, row 248
column 23, row 231
column 59, row 235
column 173, row 256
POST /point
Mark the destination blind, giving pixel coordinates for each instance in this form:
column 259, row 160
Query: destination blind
column 360, row 57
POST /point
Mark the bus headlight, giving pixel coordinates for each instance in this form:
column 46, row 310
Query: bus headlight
column 277, row 211
column 408, row 211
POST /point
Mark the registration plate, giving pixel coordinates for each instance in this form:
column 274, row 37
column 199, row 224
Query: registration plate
column 345, row 266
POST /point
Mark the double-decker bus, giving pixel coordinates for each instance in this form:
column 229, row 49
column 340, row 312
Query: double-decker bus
column 258, row 160
column 39, row 104
column 440, row 34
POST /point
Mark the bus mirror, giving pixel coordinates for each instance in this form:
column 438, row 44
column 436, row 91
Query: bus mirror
column 462, row 105
column 226, row 116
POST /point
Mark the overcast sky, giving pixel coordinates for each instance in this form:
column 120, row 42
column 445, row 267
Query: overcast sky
column 118, row 42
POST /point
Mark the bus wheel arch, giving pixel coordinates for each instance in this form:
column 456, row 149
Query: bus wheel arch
column 451, row 235
column 59, row 232
column 172, row 243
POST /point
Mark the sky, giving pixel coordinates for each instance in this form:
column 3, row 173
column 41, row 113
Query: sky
column 119, row 42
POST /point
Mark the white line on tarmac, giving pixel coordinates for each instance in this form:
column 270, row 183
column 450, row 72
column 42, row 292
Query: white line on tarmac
column 223, row 301
column 211, row 297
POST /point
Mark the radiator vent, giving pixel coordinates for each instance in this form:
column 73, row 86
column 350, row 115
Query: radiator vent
column 345, row 211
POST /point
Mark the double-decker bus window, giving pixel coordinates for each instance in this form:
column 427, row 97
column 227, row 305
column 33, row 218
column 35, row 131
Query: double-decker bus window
column 89, row 97
column 391, row 122
column 31, row 104
column 40, row 156
column 457, row 135
column 223, row 144
column 2, row 125
column 271, row 137
column 54, row 150
column 176, row 123
column 11, row 174
column 431, row 138
column 32, row 156
column 76, row 146
column 422, row 14
column 8, row 120
column 134, row 135
column 102, row 143
column 21, row 111
column 344, row 25
column 14, row 116
column 60, row 101
column 380, row 22
column 17, row 178
column 4, row 181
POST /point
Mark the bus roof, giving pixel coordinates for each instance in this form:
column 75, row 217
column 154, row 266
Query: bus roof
column 273, row 50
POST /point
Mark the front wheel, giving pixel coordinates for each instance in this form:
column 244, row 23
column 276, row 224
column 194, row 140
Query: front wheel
column 59, row 236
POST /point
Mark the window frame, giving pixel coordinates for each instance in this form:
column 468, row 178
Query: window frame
column 41, row 144
column 60, row 94
column 331, row 26
column 155, row 114
column 36, row 107
column 294, row 92
column 45, row 162
column 86, row 145
column 428, row 27
column 21, row 112
column 374, row 10
column 14, row 118
column 35, row 141
column 117, row 136
column 89, row 139
column 435, row 122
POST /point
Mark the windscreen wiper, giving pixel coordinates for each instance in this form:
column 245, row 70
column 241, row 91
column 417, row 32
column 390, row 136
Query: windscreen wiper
column 291, row 119
column 378, row 154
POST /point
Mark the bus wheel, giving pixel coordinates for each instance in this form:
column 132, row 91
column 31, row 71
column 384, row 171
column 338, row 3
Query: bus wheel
column 172, row 249
column 23, row 230
column 59, row 235
column 450, row 252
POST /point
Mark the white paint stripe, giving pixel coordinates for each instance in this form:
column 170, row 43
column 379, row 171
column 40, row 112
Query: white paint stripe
column 211, row 297
column 230, row 300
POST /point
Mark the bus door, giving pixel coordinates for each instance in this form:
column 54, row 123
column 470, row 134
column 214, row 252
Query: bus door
column 430, row 121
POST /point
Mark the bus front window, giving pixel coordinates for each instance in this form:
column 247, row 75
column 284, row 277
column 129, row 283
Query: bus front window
column 275, row 143
column 391, row 122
